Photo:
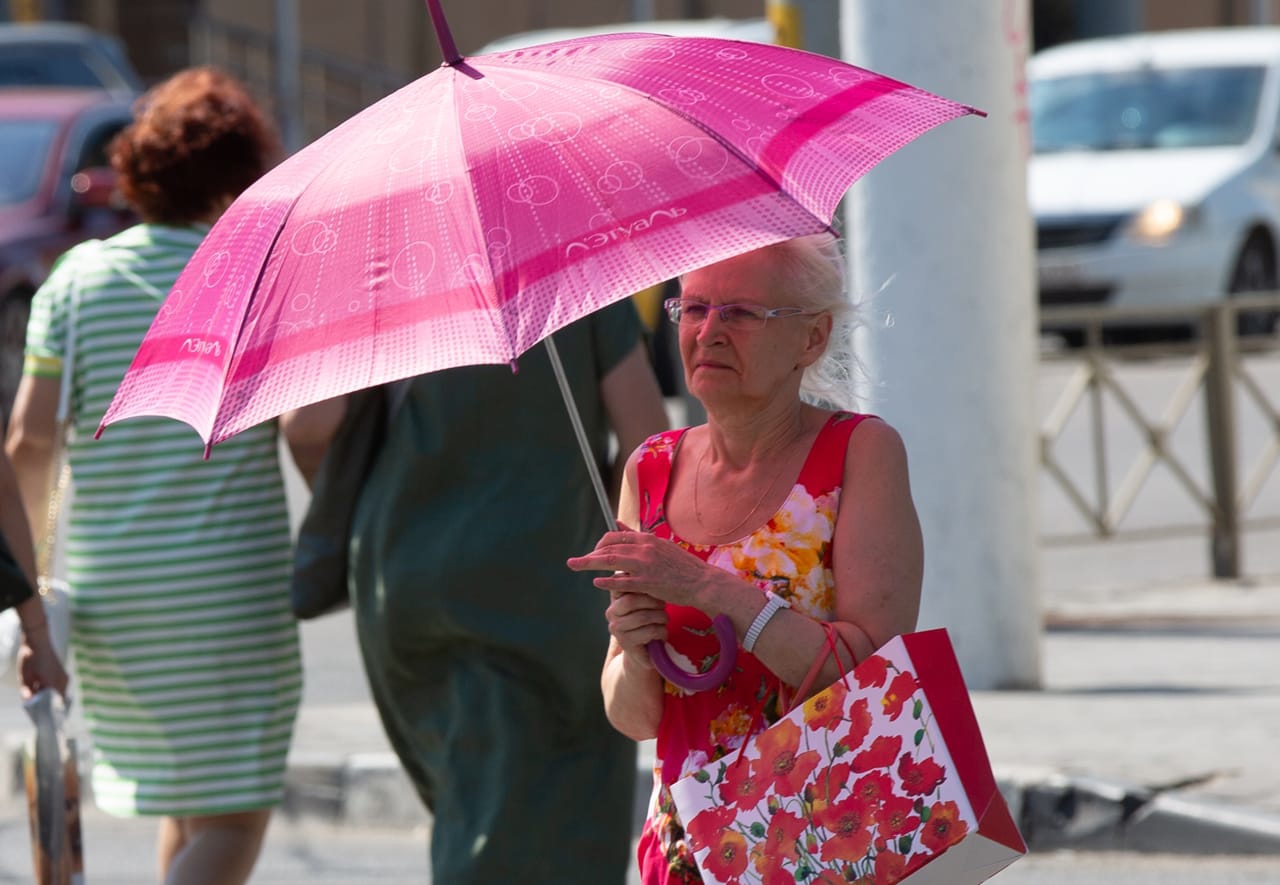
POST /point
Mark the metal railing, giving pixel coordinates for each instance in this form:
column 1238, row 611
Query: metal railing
column 1215, row 364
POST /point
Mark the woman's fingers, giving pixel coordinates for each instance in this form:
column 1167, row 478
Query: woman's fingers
column 636, row 619
column 624, row 604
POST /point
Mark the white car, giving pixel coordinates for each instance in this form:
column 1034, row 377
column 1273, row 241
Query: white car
column 1155, row 174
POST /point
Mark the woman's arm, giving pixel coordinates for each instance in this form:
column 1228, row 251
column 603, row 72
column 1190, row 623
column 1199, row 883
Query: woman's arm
column 30, row 443
column 308, row 432
column 38, row 664
column 13, row 522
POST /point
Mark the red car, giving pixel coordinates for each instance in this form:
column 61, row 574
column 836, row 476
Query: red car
column 55, row 190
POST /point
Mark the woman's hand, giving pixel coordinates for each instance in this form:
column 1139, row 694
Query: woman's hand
column 39, row 667
column 635, row 620
column 653, row 566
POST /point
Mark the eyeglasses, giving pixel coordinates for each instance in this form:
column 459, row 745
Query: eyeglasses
column 690, row 312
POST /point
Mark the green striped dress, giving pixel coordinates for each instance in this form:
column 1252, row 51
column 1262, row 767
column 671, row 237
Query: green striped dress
column 185, row 651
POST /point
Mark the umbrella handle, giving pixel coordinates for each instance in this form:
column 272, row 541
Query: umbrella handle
column 714, row 677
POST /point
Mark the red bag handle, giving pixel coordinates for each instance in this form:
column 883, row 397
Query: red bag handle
column 832, row 649
column 828, row 648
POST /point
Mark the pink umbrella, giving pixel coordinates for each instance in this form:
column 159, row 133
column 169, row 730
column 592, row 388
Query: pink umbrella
column 469, row 215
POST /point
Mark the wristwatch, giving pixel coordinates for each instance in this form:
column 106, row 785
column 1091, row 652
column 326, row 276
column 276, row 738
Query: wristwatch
column 772, row 603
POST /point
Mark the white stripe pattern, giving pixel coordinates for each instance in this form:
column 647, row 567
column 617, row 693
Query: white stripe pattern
column 186, row 653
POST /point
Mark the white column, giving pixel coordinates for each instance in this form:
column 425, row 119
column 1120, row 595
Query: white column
column 940, row 242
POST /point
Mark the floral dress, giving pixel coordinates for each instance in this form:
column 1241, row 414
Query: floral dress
column 790, row 555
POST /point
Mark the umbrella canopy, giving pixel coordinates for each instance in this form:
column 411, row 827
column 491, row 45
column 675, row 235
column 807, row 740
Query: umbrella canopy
column 467, row 216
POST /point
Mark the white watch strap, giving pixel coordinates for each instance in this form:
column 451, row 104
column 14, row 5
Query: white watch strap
column 772, row 603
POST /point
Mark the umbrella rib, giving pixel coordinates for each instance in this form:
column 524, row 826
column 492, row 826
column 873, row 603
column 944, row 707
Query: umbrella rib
column 494, row 310
column 729, row 146
column 244, row 316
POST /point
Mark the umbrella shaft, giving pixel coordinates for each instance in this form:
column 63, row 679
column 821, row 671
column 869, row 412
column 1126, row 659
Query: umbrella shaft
column 580, row 432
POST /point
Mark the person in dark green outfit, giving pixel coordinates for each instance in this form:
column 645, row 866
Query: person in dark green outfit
column 481, row 648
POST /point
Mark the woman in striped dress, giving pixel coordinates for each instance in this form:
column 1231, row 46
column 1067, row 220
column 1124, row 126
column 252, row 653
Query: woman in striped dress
column 184, row 646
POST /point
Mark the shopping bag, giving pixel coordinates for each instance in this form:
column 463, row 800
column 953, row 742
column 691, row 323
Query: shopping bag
column 53, row 794
column 880, row 778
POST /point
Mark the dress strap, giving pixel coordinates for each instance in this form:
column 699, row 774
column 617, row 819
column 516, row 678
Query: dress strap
column 824, row 467
column 653, row 475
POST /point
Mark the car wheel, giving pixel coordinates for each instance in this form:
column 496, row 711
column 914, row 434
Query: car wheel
column 1255, row 271
column 15, row 307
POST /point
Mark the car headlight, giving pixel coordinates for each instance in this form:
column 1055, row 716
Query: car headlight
column 1162, row 219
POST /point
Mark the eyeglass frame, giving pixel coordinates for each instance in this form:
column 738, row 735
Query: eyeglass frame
column 673, row 306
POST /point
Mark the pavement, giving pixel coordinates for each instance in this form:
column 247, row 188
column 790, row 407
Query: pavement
column 1154, row 729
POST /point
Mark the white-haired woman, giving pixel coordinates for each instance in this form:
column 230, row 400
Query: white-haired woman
column 779, row 513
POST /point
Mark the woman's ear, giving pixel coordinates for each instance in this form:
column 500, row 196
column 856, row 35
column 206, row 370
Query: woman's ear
column 816, row 341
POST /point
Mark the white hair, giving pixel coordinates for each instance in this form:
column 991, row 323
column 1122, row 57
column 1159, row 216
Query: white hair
column 814, row 268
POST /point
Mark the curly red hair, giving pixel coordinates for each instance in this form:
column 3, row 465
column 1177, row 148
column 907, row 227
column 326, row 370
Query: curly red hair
column 197, row 141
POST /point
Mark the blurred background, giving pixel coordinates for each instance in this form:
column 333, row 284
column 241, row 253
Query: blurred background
column 1147, row 256
column 350, row 54
column 1156, row 432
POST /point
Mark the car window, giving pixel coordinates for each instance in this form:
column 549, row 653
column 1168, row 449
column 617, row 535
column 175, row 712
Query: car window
column 1145, row 109
column 93, row 152
column 55, row 65
column 24, row 146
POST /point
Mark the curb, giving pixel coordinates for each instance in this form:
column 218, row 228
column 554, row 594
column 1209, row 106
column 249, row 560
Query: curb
column 359, row 790
column 372, row 790
column 1054, row 811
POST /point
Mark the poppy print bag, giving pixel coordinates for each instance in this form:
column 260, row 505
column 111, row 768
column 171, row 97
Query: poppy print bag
column 880, row 778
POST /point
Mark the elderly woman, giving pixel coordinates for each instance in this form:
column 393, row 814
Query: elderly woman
column 184, row 646
column 777, row 513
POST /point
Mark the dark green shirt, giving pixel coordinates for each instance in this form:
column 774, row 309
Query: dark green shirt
column 475, row 502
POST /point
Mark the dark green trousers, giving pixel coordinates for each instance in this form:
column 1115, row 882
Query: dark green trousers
column 517, row 793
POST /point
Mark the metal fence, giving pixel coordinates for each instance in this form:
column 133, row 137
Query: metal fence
column 1216, row 369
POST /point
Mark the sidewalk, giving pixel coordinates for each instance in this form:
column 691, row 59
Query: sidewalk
column 1155, row 729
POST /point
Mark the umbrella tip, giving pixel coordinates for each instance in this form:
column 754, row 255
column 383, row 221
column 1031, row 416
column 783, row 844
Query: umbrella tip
column 515, row 367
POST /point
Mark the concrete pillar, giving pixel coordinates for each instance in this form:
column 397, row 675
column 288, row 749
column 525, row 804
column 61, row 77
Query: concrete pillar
column 940, row 242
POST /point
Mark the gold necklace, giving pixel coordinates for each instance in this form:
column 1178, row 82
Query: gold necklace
column 697, row 508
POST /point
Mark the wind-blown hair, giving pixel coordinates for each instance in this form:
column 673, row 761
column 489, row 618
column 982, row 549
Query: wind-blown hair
column 814, row 267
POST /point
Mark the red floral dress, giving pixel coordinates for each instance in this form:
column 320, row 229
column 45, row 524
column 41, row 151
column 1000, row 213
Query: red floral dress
column 790, row 555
